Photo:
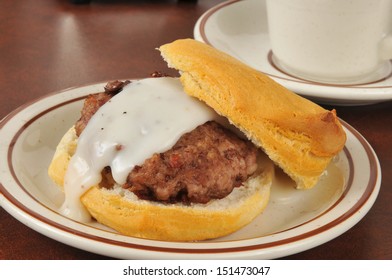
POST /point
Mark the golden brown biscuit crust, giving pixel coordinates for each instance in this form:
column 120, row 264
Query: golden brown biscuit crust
column 297, row 134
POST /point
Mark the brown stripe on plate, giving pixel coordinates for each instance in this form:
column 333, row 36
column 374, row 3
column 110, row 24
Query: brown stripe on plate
column 207, row 16
column 304, row 81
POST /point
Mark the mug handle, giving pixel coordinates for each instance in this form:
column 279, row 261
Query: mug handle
column 386, row 48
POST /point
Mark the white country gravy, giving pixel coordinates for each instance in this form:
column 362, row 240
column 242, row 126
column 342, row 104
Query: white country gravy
column 146, row 117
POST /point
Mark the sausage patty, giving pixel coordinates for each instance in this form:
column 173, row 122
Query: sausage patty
column 206, row 163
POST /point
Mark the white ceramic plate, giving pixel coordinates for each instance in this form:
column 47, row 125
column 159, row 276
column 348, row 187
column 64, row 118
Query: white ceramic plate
column 293, row 221
column 239, row 28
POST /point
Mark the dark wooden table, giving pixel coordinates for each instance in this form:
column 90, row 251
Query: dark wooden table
column 50, row 45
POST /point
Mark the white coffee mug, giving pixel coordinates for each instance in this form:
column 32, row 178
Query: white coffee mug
column 333, row 41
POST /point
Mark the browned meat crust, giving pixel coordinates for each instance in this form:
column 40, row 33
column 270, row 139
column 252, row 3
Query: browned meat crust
column 94, row 101
column 91, row 105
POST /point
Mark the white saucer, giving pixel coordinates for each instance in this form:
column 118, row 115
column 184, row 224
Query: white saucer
column 239, row 28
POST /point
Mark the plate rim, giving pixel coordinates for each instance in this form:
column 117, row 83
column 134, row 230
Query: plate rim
column 26, row 214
